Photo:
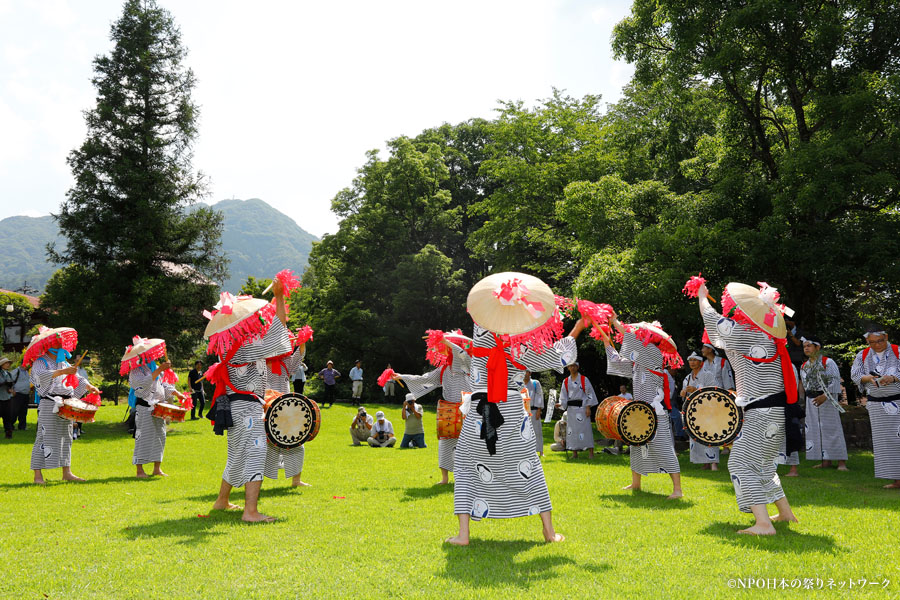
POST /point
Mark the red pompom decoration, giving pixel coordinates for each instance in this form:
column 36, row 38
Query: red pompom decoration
column 304, row 334
column 599, row 315
column 565, row 304
column 288, row 281
column 187, row 402
column 692, row 286
column 385, row 377
column 92, row 399
column 436, row 352
column 169, row 376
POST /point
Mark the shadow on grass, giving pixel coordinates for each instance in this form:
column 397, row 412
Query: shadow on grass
column 786, row 540
column 642, row 499
column 491, row 563
column 421, row 493
column 193, row 529
column 58, row 481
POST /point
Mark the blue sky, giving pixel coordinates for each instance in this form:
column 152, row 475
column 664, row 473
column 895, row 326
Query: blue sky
column 293, row 94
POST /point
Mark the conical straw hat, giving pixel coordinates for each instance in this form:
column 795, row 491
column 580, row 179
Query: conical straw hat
column 510, row 303
column 759, row 306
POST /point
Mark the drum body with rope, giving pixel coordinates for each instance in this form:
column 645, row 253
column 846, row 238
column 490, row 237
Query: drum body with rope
column 173, row 412
column 712, row 416
column 628, row 421
column 77, row 411
column 449, row 420
column 292, row 420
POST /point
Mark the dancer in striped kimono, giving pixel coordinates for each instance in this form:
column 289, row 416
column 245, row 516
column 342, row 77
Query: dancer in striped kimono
column 498, row 475
column 646, row 349
column 54, row 380
column 150, row 383
column 700, row 377
column 244, row 332
column 536, row 396
column 878, row 369
column 576, row 397
column 752, row 334
column 278, row 378
column 822, row 382
column 452, row 376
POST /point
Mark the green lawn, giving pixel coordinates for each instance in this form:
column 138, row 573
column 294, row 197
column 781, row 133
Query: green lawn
column 373, row 523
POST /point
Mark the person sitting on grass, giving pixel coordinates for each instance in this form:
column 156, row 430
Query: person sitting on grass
column 361, row 426
column 559, row 435
column 382, row 433
column 414, row 432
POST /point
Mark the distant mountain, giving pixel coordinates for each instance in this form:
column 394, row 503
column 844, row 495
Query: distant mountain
column 23, row 254
column 258, row 240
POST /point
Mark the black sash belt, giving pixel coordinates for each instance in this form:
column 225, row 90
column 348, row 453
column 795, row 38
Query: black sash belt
column 575, row 403
column 220, row 413
column 812, row 394
column 140, row 402
column 492, row 420
column 892, row 398
column 793, row 437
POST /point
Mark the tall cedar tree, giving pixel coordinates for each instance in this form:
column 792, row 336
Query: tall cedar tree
column 141, row 259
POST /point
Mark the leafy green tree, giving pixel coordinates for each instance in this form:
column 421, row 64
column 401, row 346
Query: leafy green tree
column 140, row 261
column 799, row 181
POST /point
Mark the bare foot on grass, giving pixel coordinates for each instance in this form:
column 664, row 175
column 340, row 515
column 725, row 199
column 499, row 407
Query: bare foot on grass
column 228, row 506
column 71, row 477
column 788, row 518
column 675, row 495
column 301, row 484
column 556, row 537
column 160, row 473
column 457, row 541
column 257, row 518
column 759, row 530
column 632, row 487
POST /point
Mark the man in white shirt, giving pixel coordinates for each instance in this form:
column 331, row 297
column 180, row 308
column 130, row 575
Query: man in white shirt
column 623, row 392
column 356, row 377
column 299, row 377
column 361, row 427
column 382, row 433
column 414, row 433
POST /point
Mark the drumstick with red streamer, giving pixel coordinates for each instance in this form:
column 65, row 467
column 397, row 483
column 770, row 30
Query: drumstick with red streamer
column 692, row 287
column 72, row 380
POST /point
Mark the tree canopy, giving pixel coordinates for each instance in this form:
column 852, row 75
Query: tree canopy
column 139, row 262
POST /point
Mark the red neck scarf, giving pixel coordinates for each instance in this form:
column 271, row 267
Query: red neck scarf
column 497, row 371
column 276, row 364
column 665, row 379
column 787, row 372
column 218, row 376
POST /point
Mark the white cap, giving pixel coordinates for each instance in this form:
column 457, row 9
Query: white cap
column 379, row 415
column 410, row 398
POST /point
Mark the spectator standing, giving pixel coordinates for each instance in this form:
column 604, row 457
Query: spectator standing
column 330, row 376
column 382, row 432
column 414, row 432
column 356, row 377
column 299, row 377
column 624, row 393
column 389, row 387
column 361, row 427
column 6, row 403
column 21, row 392
column 576, row 398
column 197, row 394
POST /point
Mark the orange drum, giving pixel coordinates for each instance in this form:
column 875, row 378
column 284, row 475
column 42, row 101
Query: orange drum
column 172, row 412
column 77, row 411
column 628, row 421
column 449, row 420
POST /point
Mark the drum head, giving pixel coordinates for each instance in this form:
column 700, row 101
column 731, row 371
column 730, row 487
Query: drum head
column 292, row 420
column 637, row 423
column 712, row 417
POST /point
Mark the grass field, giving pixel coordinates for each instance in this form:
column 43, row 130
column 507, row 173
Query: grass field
column 373, row 523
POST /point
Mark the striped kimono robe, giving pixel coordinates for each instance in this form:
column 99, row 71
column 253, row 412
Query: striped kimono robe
column 636, row 362
column 752, row 459
column 701, row 454
column 289, row 459
column 53, row 442
column 511, row 482
column 824, row 433
column 454, row 381
column 883, row 405
column 248, row 373
column 536, row 392
column 579, row 433
column 149, row 431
